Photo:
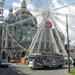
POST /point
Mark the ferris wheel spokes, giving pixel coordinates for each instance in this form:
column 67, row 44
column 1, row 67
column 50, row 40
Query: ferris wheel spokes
column 23, row 20
column 27, row 34
column 35, row 5
column 64, row 23
column 40, row 40
column 58, row 36
column 63, row 7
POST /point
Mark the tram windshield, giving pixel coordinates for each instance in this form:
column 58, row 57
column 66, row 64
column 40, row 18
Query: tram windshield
column 31, row 58
column 39, row 58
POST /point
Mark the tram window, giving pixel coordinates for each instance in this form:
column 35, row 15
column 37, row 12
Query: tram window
column 47, row 59
column 37, row 59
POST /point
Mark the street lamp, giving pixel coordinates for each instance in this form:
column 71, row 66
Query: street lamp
column 68, row 43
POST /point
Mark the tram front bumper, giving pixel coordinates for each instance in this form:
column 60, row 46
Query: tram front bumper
column 31, row 64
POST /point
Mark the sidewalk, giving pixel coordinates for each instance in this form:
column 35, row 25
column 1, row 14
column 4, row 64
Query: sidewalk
column 66, row 73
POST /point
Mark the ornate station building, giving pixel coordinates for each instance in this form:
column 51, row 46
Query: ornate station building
column 16, row 31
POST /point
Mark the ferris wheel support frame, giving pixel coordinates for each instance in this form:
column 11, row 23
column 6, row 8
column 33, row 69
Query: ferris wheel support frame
column 56, row 50
column 45, row 16
column 59, row 39
column 40, row 40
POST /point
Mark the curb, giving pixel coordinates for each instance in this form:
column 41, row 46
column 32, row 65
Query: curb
column 66, row 73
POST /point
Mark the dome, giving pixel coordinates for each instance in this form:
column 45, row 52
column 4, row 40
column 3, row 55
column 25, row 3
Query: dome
column 23, row 13
column 23, row 4
column 10, row 10
column 10, row 19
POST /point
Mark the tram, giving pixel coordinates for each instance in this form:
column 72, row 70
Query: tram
column 37, row 61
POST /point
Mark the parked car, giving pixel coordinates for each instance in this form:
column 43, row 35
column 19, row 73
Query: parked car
column 4, row 63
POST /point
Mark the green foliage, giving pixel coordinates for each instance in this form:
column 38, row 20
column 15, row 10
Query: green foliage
column 72, row 71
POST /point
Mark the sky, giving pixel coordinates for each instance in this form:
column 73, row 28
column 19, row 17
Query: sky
column 41, row 4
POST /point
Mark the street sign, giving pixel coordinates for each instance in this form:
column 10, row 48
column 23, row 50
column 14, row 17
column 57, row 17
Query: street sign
column 48, row 24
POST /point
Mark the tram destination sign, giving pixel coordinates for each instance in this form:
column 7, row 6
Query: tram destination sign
column 48, row 25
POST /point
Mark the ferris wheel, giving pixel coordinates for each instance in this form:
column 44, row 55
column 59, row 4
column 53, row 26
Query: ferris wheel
column 49, row 15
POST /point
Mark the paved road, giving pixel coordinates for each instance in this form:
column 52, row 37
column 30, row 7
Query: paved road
column 15, row 69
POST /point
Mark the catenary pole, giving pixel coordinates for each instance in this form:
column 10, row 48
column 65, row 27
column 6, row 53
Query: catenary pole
column 68, row 43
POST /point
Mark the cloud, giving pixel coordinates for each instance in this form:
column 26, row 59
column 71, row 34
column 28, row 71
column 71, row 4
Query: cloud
column 15, row 5
column 71, row 20
column 56, row 4
column 6, row 12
